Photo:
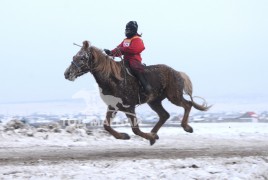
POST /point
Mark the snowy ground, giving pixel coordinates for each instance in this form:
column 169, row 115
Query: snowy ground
column 213, row 151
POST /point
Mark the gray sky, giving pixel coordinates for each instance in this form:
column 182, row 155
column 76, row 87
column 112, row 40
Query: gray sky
column 221, row 44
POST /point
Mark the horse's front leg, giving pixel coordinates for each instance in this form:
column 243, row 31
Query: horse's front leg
column 110, row 114
column 135, row 127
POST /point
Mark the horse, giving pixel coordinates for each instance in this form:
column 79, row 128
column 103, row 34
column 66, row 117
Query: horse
column 113, row 80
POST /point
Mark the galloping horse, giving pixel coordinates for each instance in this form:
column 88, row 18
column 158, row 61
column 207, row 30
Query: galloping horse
column 112, row 80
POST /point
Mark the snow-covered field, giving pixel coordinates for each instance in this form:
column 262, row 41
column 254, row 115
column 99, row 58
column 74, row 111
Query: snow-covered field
column 213, row 151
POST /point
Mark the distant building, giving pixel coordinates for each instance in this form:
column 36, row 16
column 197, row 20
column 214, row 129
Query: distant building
column 249, row 117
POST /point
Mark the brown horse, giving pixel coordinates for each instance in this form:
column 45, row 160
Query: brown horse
column 114, row 82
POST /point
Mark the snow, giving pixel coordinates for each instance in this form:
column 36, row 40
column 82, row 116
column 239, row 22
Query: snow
column 213, row 151
column 206, row 168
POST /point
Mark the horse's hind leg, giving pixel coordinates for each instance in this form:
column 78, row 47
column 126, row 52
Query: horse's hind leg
column 187, row 105
column 110, row 114
column 162, row 113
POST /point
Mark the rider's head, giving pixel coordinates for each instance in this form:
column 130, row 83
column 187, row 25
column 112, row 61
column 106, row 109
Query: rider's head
column 131, row 29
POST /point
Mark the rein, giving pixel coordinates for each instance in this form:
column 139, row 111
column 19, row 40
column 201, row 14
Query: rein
column 118, row 52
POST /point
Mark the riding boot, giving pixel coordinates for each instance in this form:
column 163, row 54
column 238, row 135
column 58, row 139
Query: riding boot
column 146, row 86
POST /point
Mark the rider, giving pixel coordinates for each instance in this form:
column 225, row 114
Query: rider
column 131, row 48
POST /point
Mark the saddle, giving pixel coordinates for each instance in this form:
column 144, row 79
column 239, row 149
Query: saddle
column 145, row 86
column 128, row 69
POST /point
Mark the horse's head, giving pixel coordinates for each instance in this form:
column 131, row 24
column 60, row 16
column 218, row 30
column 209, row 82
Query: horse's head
column 81, row 64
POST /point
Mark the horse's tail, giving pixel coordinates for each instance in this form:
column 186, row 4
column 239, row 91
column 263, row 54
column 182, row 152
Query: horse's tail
column 188, row 89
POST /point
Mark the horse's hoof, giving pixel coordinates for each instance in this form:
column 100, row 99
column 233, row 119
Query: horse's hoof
column 153, row 138
column 188, row 129
column 152, row 142
column 125, row 136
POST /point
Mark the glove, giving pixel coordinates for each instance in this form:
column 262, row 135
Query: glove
column 108, row 52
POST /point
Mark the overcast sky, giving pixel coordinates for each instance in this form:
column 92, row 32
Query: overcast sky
column 221, row 44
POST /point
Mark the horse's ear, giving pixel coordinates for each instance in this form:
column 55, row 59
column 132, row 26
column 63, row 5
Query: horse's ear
column 86, row 44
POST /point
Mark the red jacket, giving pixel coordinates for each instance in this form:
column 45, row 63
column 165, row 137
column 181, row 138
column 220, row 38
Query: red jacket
column 130, row 48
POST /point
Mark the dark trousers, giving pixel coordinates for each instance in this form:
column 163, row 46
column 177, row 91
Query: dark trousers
column 135, row 66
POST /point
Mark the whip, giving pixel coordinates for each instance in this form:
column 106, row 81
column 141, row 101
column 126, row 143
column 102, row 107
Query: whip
column 77, row 44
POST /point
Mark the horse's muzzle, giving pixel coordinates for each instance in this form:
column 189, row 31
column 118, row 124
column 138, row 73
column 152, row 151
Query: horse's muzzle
column 67, row 75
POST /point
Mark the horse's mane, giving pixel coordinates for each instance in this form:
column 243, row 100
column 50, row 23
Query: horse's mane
column 105, row 64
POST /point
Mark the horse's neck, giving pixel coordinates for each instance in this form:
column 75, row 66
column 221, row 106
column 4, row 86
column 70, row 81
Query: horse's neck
column 104, row 83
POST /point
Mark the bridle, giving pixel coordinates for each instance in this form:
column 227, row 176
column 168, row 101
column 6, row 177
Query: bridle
column 88, row 64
